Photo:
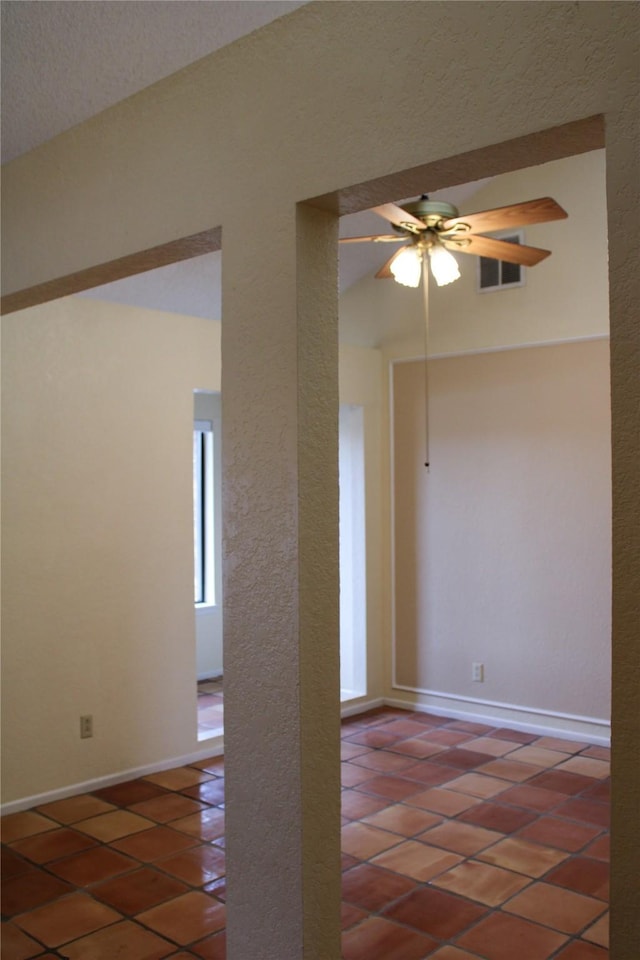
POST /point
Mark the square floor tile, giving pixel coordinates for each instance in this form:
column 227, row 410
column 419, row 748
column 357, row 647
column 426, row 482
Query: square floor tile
column 381, row 938
column 391, row 788
column 452, row 953
column 383, row 761
column 554, row 832
column 599, row 753
column 599, row 849
column 206, row 825
column 531, row 859
column 555, row 907
column 196, row 866
column 178, row 778
column 562, row 781
column 350, row 750
column 563, row 746
column 430, row 774
column 417, row 747
column 581, row 950
column 210, row 765
column 508, row 769
column 137, row 891
column 363, row 841
column 598, row 933
column 12, row 864
column 371, row 887
column 477, row 785
column 126, row 941
column 440, row 800
column 459, row 837
column 501, row 937
column 589, row 811
column 516, row 736
column 537, row 756
column 351, row 775
column 417, row 860
column 490, row 745
column 30, row 890
column 536, row 798
column 582, row 875
column 16, row 826
column 190, row 917
column 75, row 808
column 481, row 882
column 111, row 826
column 496, row 816
column 403, row 819
column 211, row 948
column 168, row 807
column 52, row 845
column 462, row 758
column 67, row 919
column 447, row 738
column 150, row 845
column 350, row 915
column 586, row 767
column 435, row 912
column 92, row 866
column 133, row 791
column 355, row 805
column 16, row 945
column 211, row 791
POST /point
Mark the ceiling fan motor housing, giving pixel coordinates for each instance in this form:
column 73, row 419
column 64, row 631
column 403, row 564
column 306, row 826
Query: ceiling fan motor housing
column 431, row 212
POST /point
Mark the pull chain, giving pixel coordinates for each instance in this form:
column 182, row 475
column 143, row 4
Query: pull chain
column 425, row 296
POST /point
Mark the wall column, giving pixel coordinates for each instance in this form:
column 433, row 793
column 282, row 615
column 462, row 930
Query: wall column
column 281, row 618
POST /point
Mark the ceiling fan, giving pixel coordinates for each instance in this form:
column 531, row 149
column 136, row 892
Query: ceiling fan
column 430, row 229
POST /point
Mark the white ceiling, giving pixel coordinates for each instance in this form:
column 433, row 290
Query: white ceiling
column 66, row 60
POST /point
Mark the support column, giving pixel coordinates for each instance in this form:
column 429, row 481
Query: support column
column 281, row 585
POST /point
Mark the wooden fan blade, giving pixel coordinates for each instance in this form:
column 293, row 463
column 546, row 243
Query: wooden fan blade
column 384, row 273
column 382, row 238
column 516, row 215
column 401, row 218
column 498, row 250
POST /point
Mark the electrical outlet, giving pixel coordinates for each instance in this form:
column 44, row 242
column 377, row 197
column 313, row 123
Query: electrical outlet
column 86, row 726
column 477, row 672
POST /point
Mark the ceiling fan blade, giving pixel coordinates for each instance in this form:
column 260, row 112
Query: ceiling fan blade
column 516, row 215
column 382, row 238
column 497, row 250
column 384, row 273
column 401, row 218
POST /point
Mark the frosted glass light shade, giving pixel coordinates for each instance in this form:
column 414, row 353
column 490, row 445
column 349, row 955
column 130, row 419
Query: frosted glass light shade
column 406, row 267
column 444, row 266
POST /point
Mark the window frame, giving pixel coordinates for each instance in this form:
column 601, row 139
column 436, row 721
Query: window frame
column 513, row 236
column 203, row 513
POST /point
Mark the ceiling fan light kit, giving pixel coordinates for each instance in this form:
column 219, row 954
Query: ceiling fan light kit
column 436, row 227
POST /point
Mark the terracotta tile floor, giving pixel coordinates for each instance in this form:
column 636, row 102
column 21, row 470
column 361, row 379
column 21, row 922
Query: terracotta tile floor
column 460, row 842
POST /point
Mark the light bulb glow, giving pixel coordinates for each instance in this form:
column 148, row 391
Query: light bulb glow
column 444, row 266
column 406, row 267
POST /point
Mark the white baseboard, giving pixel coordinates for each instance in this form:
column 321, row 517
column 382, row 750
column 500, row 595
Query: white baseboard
column 526, row 719
column 214, row 748
column 360, row 705
column 539, row 722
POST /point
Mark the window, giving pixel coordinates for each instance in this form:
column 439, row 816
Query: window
column 204, row 591
column 498, row 274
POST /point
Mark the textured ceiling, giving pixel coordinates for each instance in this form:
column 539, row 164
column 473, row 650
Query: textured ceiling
column 66, row 60
column 63, row 61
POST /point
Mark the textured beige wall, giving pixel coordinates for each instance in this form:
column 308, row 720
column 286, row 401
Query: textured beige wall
column 503, row 550
column 335, row 95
